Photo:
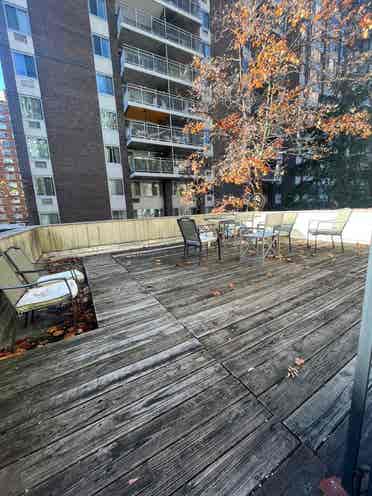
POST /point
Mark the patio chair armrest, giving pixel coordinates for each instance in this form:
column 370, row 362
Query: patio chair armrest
column 38, row 285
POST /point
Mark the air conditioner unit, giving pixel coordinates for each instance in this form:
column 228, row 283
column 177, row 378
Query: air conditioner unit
column 34, row 124
column 20, row 37
column 47, row 201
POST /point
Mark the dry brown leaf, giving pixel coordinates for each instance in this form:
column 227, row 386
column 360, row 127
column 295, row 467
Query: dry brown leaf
column 231, row 285
column 132, row 481
column 216, row 292
column 299, row 362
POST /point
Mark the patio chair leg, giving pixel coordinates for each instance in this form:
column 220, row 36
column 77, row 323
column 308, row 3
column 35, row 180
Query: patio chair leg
column 289, row 243
column 342, row 243
column 26, row 320
column 316, row 243
column 333, row 242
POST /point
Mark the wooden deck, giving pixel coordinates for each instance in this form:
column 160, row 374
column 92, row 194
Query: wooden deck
column 183, row 389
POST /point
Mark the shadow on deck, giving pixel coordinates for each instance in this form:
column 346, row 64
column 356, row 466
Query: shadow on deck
column 183, row 388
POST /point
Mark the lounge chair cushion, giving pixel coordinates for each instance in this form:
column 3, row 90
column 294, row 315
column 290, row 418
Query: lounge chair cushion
column 46, row 296
column 325, row 231
column 259, row 234
column 68, row 274
column 207, row 237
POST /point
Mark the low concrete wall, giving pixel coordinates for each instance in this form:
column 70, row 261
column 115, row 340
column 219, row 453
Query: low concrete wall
column 44, row 240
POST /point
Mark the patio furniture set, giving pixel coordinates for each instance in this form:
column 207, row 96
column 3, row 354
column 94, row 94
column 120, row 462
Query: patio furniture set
column 253, row 231
column 29, row 287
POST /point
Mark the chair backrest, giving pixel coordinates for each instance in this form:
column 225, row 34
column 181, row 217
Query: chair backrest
column 21, row 264
column 289, row 220
column 274, row 219
column 9, row 278
column 188, row 229
column 342, row 218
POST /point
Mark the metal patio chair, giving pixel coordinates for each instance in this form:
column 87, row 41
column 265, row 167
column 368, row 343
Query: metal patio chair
column 333, row 227
column 194, row 237
column 32, row 272
column 286, row 229
column 265, row 237
column 28, row 298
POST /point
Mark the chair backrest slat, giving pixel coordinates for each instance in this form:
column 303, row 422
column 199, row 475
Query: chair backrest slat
column 188, row 229
column 9, row 278
column 289, row 220
column 274, row 219
column 342, row 218
column 22, row 264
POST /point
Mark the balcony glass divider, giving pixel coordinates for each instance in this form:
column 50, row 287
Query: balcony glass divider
column 191, row 7
column 156, row 165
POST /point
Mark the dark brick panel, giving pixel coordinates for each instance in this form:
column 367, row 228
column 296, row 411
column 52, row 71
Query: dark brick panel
column 61, row 34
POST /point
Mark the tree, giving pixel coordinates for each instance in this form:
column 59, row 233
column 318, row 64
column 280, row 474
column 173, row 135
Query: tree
column 263, row 99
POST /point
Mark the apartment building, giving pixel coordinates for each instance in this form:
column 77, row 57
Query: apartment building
column 12, row 199
column 99, row 92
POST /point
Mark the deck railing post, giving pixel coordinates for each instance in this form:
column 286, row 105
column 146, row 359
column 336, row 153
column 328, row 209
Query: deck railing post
column 360, row 387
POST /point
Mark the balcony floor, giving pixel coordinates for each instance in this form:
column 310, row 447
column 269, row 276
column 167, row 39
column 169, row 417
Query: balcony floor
column 183, row 388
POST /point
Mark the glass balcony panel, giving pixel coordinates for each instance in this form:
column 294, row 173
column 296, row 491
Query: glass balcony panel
column 154, row 132
column 158, row 27
column 155, row 165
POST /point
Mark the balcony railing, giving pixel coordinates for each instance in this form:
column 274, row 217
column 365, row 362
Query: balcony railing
column 141, row 130
column 155, row 165
column 139, row 95
column 149, row 62
column 154, row 26
column 191, row 7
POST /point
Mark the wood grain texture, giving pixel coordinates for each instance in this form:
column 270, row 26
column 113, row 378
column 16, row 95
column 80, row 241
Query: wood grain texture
column 180, row 392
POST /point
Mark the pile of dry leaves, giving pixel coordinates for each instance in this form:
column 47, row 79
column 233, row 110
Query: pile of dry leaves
column 83, row 320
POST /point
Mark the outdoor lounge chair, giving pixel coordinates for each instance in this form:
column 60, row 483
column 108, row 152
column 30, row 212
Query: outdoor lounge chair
column 26, row 298
column 32, row 272
column 193, row 237
column 286, row 228
column 333, row 227
column 266, row 234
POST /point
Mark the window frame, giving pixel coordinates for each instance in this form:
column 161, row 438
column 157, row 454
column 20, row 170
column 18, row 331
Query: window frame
column 23, row 11
column 113, row 119
column 116, row 180
column 109, row 154
column 98, row 2
column 106, row 77
column 37, row 138
column 45, row 187
column 33, row 118
column 16, row 53
column 101, row 39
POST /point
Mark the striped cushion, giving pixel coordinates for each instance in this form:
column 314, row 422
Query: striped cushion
column 68, row 274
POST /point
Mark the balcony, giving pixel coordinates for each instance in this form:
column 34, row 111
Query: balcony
column 149, row 63
column 154, row 166
column 140, row 22
column 190, row 8
column 147, row 133
column 139, row 96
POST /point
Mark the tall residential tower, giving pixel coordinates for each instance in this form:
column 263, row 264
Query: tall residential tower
column 99, row 92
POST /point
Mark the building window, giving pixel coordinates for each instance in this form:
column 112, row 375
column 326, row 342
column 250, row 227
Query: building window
column 31, row 108
column 101, row 46
column 105, row 84
column 45, row 186
column 205, row 21
column 109, row 119
column 116, row 187
column 3, row 125
column 118, row 214
column 9, row 161
column 38, row 148
column 24, row 65
column 46, row 219
column 40, row 165
column 98, row 8
column 7, row 144
column 3, row 135
column 150, row 189
column 17, row 19
column 112, row 154
column 136, row 189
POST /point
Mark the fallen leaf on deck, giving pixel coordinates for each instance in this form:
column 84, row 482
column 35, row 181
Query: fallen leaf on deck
column 299, row 362
column 292, row 372
column 216, row 292
column 132, row 481
column 231, row 285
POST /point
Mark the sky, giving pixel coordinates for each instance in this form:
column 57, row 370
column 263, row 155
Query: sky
column 2, row 84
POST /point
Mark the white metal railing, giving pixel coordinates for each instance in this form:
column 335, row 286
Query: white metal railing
column 154, row 132
column 160, row 28
column 160, row 100
column 156, row 165
column 160, row 65
column 191, row 7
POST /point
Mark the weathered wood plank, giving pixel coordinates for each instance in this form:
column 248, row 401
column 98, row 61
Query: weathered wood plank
column 299, row 475
column 104, row 466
